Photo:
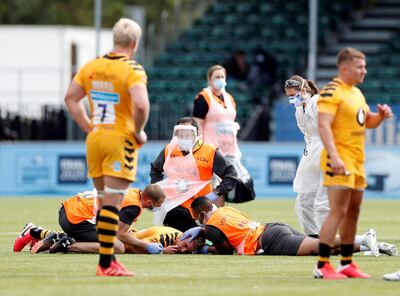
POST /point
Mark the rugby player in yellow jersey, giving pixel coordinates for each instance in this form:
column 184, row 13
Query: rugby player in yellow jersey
column 119, row 106
column 169, row 238
column 343, row 115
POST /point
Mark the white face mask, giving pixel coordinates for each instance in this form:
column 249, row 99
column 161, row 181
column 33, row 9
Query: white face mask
column 154, row 209
column 186, row 136
column 207, row 216
column 219, row 83
column 185, row 145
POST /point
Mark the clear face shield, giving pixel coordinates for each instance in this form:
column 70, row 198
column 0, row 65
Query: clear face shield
column 186, row 136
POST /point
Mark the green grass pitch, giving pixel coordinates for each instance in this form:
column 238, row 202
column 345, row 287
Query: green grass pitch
column 73, row 274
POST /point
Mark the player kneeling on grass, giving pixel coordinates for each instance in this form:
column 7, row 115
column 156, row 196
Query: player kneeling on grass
column 77, row 218
column 184, row 169
column 231, row 231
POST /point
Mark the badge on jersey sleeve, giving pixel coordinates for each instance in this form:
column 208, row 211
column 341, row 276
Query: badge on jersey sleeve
column 104, row 110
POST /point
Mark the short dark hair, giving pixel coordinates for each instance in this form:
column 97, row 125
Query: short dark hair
column 190, row 120
column 200, row 240
column 201, row 203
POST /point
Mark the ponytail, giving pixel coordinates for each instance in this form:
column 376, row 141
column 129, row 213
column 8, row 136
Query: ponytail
column 309, row 85
column 313, row 87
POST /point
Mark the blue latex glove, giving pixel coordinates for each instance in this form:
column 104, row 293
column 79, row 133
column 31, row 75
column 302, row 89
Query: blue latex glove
column 212, row 196
column 204, row 250
column 154, row 248
column 192, row 233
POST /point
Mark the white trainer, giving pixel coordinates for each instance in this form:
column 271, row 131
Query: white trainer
column 371, row 242
column 388, row 249
column 395, row 276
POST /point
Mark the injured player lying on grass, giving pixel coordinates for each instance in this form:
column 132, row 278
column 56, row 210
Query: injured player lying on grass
column 168, row 237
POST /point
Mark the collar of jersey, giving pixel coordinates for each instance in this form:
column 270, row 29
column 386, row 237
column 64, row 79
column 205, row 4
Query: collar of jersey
column 343, row 84
column 113, row 54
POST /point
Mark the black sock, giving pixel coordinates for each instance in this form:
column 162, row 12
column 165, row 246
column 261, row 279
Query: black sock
column 347, row 254
column 324, row 254
column 39, row 233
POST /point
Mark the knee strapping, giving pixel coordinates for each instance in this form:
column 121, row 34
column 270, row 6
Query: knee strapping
column 122, row 192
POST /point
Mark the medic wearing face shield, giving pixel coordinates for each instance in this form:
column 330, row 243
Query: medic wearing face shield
column 184, row 169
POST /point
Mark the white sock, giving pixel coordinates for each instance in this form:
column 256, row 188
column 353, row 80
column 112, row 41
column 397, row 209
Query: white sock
column 364, row 248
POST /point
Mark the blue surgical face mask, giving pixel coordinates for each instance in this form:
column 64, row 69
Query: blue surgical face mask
column 219, row 83
column 297, row 100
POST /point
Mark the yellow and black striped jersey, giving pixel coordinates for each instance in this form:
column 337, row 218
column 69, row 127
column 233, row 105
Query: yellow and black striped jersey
column 349, row 108
column 167, row 236
column 107, row 81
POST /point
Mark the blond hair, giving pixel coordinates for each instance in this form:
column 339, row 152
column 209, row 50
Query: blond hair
column 214, row 68
column 126, row 31
column 309, row 85
column 348, row 54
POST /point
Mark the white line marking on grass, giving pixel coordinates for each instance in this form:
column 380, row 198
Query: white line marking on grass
column 175, row 274
column 8, row 233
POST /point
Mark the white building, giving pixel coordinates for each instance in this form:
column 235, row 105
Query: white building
column 36, row 63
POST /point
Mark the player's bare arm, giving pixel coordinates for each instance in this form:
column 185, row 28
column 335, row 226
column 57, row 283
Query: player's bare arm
column 126, row 237
column 73, row 100
column 374, row 119
column 325, row 121
column 141, row 107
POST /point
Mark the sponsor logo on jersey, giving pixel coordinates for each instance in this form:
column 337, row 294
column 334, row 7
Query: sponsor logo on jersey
column 361, row 116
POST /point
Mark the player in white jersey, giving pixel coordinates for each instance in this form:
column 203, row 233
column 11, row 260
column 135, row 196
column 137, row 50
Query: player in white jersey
column 312, row 203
